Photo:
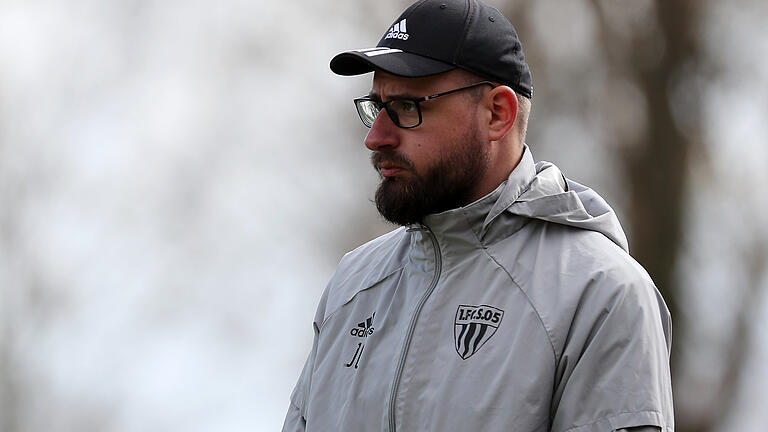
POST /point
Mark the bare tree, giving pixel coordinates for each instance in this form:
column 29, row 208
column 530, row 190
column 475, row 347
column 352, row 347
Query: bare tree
column 660, row 54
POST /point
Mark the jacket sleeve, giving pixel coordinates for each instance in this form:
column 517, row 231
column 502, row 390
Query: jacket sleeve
column 640, row 429
column 295, row 419
column 294, row 422
column 613, row 373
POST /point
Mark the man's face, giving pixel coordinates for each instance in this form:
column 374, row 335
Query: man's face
column 435, row 166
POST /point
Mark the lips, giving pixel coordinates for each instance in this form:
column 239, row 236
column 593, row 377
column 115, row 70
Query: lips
column 389, row 169
column 390, row 164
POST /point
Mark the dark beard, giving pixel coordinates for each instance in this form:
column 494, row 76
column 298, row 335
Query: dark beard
column 448, row 184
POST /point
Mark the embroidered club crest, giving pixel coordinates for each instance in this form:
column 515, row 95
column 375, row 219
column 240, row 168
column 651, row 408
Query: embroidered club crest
column 473, row 326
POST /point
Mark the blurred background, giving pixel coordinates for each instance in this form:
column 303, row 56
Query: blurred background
column 178, row 180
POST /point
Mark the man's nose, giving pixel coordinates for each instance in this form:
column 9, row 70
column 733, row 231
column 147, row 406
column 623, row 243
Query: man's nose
column 384, row 134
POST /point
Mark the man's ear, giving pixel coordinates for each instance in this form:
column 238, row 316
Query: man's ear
column 501, row 101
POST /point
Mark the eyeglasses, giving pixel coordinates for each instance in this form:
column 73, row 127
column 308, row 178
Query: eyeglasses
column 404, row 112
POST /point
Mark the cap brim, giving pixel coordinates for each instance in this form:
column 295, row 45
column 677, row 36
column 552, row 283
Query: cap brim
column 391, row 60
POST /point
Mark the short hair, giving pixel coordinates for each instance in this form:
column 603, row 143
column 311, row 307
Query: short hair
column 523, row 111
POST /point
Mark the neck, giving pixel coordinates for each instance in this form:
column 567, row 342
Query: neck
column 504, row 158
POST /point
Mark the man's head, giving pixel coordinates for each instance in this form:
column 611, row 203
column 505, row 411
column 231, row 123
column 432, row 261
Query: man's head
column 434, row 36
column 448, row 107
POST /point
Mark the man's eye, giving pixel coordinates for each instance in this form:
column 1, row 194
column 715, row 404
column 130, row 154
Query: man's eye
column 405, row 106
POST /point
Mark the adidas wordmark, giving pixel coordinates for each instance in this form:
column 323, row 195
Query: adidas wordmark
column 398, row 31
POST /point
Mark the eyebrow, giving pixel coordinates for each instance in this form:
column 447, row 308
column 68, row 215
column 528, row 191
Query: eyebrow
column 375, row 96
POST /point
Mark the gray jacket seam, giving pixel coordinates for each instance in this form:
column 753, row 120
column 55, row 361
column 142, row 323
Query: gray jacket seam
column 663, row 427
column 528, row 299
column 329, row 316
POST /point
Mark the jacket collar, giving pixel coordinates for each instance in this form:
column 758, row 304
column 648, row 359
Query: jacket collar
column 468, row 224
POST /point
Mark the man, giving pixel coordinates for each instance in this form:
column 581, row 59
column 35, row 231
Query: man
column 507, row 300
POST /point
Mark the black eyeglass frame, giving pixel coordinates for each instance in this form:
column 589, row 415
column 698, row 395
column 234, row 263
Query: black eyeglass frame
column 393, row 115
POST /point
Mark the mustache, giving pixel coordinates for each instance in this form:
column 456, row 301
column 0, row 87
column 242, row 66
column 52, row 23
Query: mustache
column 394, row 158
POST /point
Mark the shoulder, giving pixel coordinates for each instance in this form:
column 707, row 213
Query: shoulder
column 576, row 277
column 567, row 259
column 571, row 259
column 365, row 266
column 379, row 253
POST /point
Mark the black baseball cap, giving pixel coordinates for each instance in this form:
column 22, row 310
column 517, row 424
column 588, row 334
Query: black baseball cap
column 434, row 36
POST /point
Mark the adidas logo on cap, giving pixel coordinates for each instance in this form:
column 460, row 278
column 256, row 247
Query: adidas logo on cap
column 398, row 31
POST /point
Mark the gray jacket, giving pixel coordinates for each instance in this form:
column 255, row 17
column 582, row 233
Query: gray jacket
column 522, row 311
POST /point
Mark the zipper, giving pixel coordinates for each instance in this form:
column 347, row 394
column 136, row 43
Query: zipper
column 412, row 324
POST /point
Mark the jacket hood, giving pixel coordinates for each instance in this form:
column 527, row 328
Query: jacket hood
column 541, row 191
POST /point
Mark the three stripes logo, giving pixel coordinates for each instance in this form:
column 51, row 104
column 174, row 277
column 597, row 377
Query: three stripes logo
column 398, row 31
column 365, row 328
column 473, row 326
column 373, row 52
